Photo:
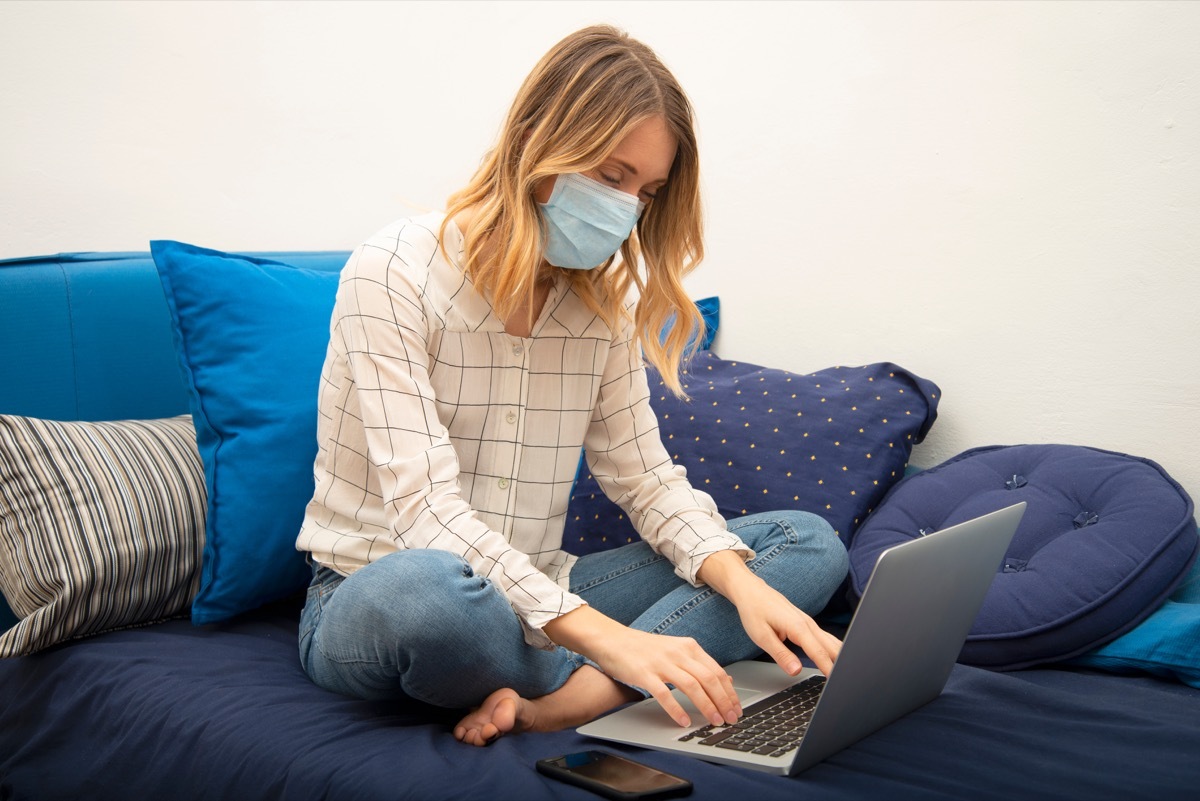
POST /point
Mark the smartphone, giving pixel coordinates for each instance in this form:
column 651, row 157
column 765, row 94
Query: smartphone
column 614, row 776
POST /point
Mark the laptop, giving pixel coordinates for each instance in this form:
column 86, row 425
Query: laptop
column 902, row 643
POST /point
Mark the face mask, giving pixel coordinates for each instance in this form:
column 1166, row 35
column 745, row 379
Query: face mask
column 586, row 221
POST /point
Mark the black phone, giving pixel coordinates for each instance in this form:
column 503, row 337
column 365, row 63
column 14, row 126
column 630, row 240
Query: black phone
column 614, row 776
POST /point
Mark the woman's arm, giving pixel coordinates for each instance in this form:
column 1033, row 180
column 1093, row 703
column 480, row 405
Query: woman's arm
column 769, row 619
column 633, row 467
column 651, row 662
column 627, row 457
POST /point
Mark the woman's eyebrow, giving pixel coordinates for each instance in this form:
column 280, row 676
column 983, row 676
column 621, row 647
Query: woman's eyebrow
column 621, row 162
column 633, row 170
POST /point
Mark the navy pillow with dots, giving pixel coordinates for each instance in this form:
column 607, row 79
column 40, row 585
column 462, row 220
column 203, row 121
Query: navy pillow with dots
column 1105, row 538
column 759, row 439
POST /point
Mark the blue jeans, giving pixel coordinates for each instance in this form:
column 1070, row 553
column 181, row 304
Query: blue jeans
column 421, row 624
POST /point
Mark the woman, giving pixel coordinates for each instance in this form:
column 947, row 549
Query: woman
column 472, row 355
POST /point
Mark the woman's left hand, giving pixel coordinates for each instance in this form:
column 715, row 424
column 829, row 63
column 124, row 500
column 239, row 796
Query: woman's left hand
column 768, row 617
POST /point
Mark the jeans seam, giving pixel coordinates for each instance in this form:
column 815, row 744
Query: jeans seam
column 680, row 611
column 707, row 593
column 596, row 582
column 319, row 599
column 782, row 523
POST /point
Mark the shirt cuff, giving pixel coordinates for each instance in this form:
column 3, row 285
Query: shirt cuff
column 532, row 622
column 689, row 567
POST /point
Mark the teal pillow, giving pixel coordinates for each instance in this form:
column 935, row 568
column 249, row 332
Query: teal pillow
column 1165, row 644
column 251, row 335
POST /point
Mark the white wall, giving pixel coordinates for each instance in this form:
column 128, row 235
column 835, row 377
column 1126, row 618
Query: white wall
column 1003, row 197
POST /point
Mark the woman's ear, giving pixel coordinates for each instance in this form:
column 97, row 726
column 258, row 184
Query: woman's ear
column 543, row 190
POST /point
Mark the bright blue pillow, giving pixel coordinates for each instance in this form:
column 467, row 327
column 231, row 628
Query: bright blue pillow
column 251, row 335
column 1166, row 644
column 710, row 311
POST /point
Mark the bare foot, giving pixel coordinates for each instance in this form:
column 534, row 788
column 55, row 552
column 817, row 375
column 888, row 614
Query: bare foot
column 497, row 715
column 586, row 694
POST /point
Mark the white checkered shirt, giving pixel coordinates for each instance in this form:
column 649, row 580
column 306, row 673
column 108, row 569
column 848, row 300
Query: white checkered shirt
column 437, row 429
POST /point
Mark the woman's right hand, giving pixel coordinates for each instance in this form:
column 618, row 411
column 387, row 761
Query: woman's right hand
column 651, row 662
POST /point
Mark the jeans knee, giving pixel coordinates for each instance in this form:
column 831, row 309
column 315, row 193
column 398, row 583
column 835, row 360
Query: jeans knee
column 822, row 542
column 823, row 563
column 792, row 526
column 397, row 596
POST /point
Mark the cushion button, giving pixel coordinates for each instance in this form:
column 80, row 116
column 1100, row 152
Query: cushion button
column 1086, row 519
column 1016, row 482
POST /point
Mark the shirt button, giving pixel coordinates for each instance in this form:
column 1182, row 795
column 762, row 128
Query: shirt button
column 511, row 417
column 503, row 483
column 518, row 349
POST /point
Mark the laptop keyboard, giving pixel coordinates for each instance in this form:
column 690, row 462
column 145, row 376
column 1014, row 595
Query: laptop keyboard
column 772, row 726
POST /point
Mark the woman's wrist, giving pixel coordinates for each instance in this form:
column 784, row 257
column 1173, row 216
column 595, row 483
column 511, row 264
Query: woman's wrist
column 727, row 573
column 581, row 630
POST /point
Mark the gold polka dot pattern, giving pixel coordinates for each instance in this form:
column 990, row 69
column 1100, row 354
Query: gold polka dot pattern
column 756, row 439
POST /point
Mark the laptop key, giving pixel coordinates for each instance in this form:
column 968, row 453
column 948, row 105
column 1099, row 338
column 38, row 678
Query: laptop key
column 720, row 736
column 736, row 746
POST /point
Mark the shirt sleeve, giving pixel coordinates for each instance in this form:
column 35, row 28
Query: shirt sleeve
column 631, row 464
column 382, row 323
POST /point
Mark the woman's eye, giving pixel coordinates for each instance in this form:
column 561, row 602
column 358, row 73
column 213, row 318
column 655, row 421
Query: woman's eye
column 614, row 180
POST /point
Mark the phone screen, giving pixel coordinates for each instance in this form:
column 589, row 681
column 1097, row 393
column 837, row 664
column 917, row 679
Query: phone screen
column 597, row 769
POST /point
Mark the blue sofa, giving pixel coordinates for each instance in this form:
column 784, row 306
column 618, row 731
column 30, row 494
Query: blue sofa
column 170, row 708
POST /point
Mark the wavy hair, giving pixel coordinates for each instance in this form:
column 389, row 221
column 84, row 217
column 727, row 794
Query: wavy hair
column 576, row 106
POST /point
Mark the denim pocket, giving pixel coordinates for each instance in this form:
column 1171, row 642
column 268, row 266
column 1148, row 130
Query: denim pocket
column 320, row 589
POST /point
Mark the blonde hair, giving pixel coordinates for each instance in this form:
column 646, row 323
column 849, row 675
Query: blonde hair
column 581, row 99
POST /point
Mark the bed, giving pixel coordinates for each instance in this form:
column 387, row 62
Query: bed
column 195, row 691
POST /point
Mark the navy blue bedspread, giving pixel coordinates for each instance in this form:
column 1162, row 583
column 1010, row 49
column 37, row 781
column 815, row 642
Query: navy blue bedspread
column 172, row 711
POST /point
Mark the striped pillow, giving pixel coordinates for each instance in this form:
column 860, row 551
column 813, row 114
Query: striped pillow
column 101, row 525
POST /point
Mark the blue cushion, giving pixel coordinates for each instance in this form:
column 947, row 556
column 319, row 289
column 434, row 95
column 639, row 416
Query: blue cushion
column 710, row 311
column 758, row 439
column 1166, row 644
column 68, row 356
column 1105, row 538
column 251, row 334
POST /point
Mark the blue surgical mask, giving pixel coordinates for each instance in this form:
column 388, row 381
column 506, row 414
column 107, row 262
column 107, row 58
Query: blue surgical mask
column 586, row 221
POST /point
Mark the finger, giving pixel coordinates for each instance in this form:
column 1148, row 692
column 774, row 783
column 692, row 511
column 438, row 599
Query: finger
column 820, row 646
column 672, row 707
column 777, row 649
column 700, row 695
column 727, row 680
column 719, row 686
column 698, row 676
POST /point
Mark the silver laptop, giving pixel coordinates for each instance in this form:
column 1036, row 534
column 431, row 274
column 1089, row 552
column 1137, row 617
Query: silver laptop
column 903, row 641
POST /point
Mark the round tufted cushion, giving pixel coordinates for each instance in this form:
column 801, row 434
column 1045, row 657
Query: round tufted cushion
column 1104, row 540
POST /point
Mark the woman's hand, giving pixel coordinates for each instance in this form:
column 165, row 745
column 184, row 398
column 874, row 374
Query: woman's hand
column 651, row 662
column 768, row 617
